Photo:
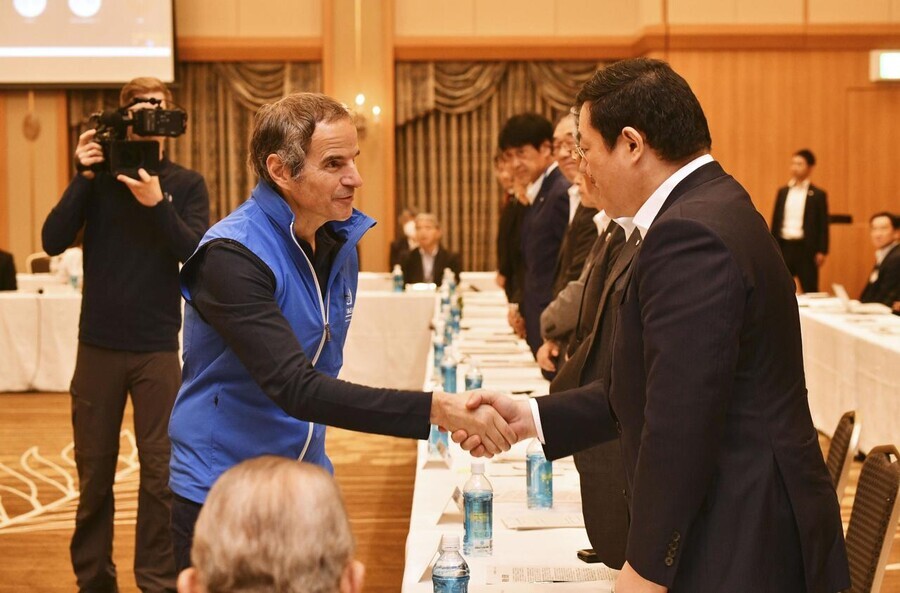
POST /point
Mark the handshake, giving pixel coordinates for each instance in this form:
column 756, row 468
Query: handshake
column 485, row 423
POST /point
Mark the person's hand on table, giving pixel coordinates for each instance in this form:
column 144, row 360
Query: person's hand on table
column 546, row 355
column 630, row 581
column 516, row 321
column 515, row 412
column 490, row 432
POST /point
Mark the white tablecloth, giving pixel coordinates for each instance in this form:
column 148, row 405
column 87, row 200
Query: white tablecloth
column 389, row 339
column 38, row 340
column 487, row 339
column 42, row 283
column 852, row 362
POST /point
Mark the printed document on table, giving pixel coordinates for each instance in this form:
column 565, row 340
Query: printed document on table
column 544, row 520
column 499, row 575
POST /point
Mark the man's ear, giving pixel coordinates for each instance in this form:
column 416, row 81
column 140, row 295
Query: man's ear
column 278, row 171
column 188, row 582
column 352, row 578
column 634, row 140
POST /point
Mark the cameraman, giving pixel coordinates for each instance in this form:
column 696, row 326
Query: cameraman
column 135, row 234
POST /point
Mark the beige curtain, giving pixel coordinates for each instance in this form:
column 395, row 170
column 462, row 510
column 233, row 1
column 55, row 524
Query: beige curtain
column 449, row 115
column 220, row 99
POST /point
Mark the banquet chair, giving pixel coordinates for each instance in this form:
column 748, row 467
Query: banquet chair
column 873, row 519
column 37, row 263
column 844, row 446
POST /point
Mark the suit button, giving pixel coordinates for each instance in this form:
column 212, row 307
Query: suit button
column 669, row 561
column 618, row 428
column 676, row 536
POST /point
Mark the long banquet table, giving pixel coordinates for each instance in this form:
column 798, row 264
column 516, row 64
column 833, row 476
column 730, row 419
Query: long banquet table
column 852, row 362
column 507, row 365
column 387, row 344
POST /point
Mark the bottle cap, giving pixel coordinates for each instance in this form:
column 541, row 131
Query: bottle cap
column 449, row 542
column 477, row 467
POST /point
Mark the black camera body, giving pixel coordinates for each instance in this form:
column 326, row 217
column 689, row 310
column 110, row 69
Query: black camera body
column 125, row 157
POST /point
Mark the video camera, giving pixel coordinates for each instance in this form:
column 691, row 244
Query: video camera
column 123, row 156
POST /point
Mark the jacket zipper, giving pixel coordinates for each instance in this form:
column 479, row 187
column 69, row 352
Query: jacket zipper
column 326, row 334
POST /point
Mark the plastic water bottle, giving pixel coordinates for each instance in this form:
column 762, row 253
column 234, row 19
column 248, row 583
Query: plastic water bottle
column 539, row 477
column 438, row 343
column 449, row 280
column 478, row 500
column 397, row 277
column 436, row 438
column 455, row 315
column 445, row 295
column 450, row 573
column 446, row 317
column 448, row 370
column 474, row 378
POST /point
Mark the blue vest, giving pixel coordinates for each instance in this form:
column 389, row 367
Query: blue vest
column 221, row 416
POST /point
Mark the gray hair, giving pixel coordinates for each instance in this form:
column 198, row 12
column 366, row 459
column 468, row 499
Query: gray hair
column 286, row 128
column 430, row 218
column 272, row 525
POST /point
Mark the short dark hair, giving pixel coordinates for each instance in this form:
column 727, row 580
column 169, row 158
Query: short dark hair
column 649, row 96
column 895, row 220
column 807, row 155
column 524, row 129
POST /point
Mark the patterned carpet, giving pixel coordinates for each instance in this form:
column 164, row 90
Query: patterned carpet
column 38, row 497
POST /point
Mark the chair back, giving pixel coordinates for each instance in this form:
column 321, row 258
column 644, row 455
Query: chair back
column 873, row 519
column 844, row 446
column 38, row 263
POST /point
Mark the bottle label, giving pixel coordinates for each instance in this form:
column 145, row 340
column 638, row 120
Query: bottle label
column 479, row 522
column 473, row 383
column 539, row 479
column 450, row 584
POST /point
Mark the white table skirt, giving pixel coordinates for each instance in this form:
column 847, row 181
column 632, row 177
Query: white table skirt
column 38, row 340
column 852, row 362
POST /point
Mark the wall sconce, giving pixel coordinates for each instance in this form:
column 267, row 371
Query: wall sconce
column 359, row 116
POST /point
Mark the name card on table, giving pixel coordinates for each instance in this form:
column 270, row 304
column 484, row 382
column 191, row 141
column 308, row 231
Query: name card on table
column 544, row 520
column 500, row 575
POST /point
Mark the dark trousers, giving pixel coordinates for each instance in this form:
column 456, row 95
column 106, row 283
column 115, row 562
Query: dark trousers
column 603, row 504
column 103, row 379
column 184, row 517
column 801, row 262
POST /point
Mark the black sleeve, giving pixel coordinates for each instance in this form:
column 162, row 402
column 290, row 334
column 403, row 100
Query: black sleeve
column 183, row 230
column 234, row 292
column 67, row 217
column 822, row 225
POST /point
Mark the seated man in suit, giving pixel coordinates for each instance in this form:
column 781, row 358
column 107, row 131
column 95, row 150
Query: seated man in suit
column 884, row 281
column 272, row 524
column 7, row 271
column 426, row 263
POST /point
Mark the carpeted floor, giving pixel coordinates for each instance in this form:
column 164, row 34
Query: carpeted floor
column 38, row 494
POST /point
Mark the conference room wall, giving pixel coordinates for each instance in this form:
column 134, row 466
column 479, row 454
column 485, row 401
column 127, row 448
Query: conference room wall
column 763, row 105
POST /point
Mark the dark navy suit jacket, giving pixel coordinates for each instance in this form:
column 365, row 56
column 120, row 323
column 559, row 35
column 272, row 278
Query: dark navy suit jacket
column 543, row 228
column 726, row 483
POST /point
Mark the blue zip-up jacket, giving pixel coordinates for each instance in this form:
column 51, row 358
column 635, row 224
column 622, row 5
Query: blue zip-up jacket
column 221, row 416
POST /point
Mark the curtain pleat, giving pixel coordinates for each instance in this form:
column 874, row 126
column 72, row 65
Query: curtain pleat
column 449, row 115
column 221, row 100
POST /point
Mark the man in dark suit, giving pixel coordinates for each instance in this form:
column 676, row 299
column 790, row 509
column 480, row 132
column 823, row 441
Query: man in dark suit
column 800, row 222
column 527, row 141
column 510, row 269
column 884, row 281
column 426, row 263
column 7, row 271
column 726, row 484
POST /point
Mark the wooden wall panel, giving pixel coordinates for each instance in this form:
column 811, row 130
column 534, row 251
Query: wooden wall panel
column 764, row 105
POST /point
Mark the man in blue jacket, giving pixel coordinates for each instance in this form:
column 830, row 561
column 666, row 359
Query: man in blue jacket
column 270, row 294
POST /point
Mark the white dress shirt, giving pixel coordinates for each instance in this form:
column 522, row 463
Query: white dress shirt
column 574, row 200
column 794, row 207
column 602, row 221
column 531, row 192
column 428, row 264
column 641, row 221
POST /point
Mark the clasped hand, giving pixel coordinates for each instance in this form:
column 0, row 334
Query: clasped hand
column 485, row 423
